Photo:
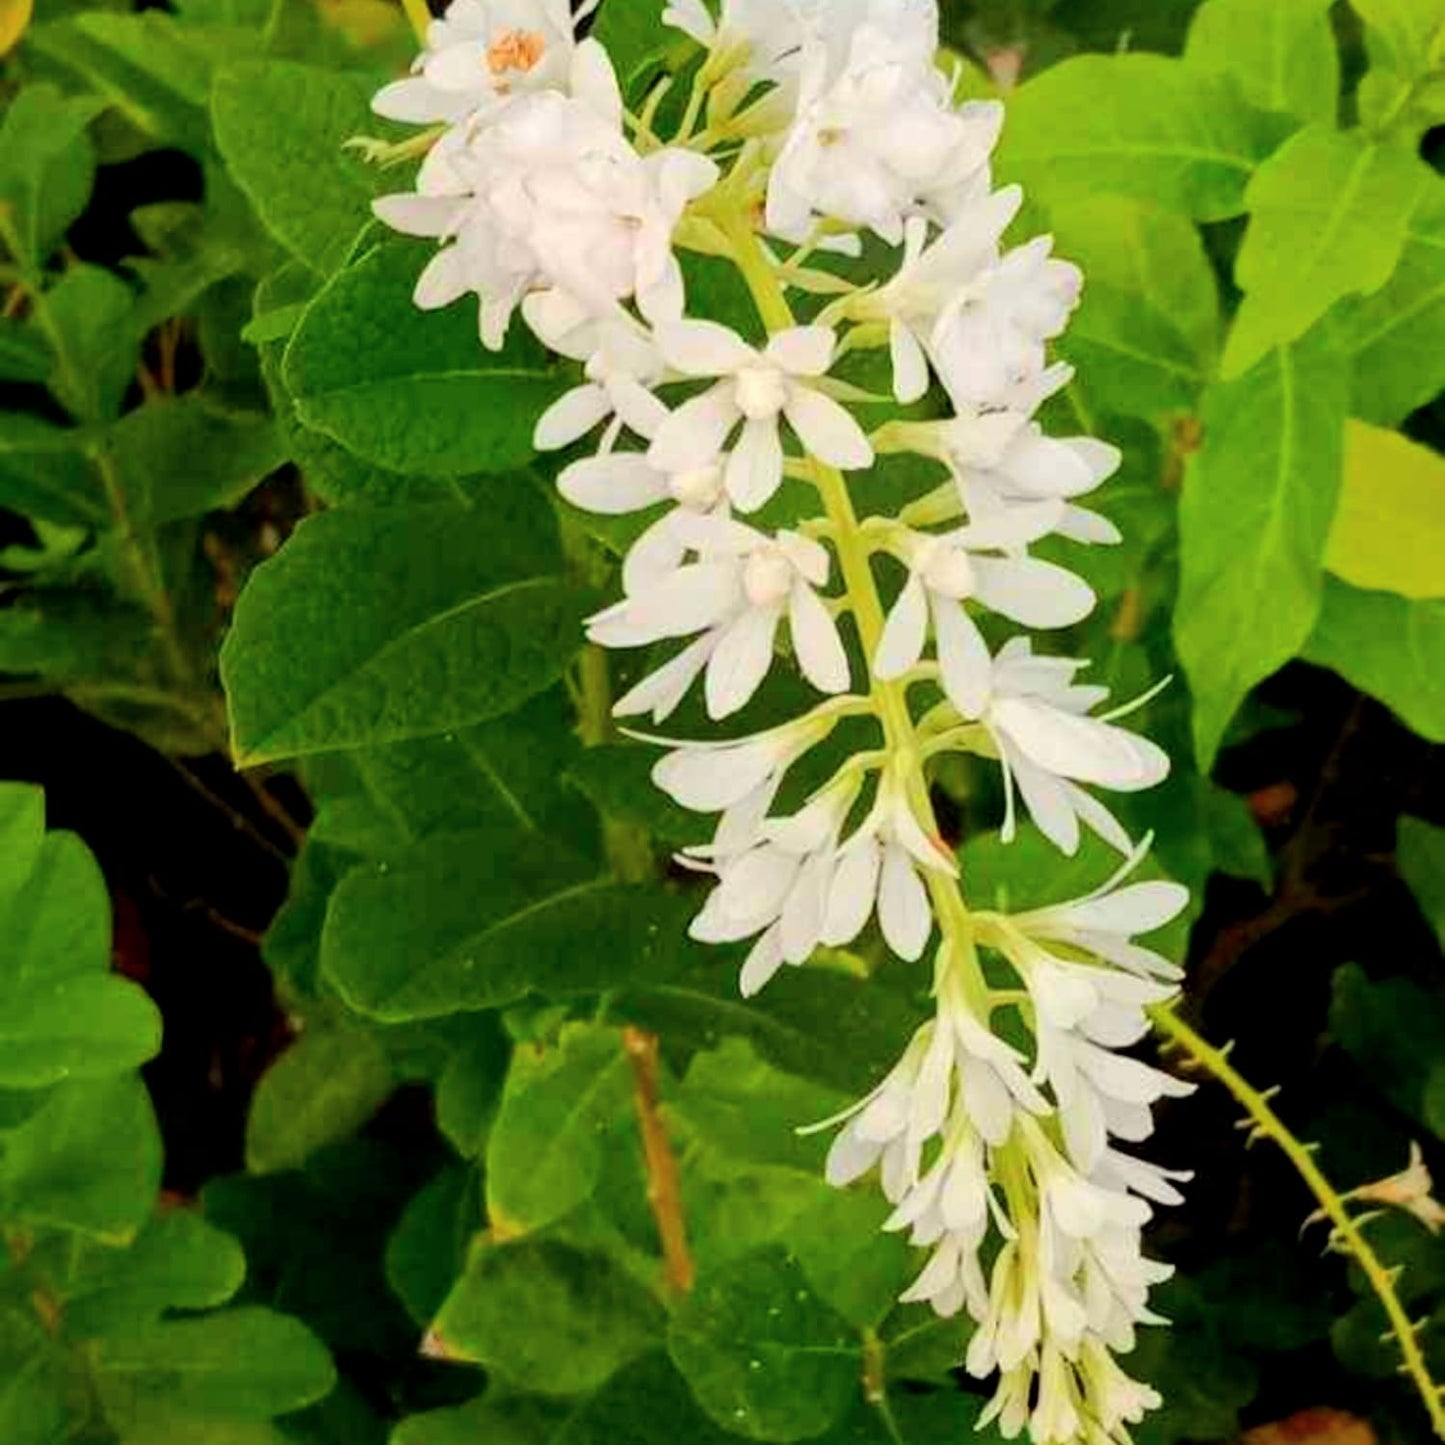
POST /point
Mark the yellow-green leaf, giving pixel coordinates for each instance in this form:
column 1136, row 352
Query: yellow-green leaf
column 1389, row 534
column 14, row 17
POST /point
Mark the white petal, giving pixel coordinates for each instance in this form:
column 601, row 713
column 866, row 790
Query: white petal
column 415, row 215
column 850, row 1158
column 694, row 434
column 1139, row 908
column 662, row 693
column 1081, row 748
column 962, row 655
column 742, row 661
column 755, row 468
column 802, row 921
column 657, row 553
column 707, row 780
column 612, row 485
column 905, row 632
column 803, row 351
column 703, row 348
column 903, row 910
column 910, row 364
column 762, row 963
column 570, row 418
column 988, row 1103
column 853, row 893
column 442, row 282
column 1048, row 804
column 1034, row 593
column 692, row 599
column 828, row 430
column 594, row 82
column 816, row 642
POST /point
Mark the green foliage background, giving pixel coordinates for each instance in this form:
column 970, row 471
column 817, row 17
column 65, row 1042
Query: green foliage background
column 482, row 906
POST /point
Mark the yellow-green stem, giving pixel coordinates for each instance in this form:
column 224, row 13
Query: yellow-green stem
column 420, row 17
column 890, row 699
column 1347, row 1229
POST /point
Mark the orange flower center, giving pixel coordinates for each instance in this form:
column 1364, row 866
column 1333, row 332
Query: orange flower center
column 520, row 50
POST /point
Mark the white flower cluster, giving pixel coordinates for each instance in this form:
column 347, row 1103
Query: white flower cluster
column 812, row 125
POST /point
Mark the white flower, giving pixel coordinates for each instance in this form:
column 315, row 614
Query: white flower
column 877, row 138
column 480, row 55
column 946, row 571
column 755, row 389
column 880, row 866
column 1036, row 716
column 737, row 594
column 552, row 196
column 621, row 364
column 773, row 31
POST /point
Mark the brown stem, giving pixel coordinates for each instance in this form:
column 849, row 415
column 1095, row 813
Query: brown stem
column 664, row 1186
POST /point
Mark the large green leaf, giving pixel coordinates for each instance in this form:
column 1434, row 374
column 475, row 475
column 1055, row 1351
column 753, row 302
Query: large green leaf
column 33, row 1374
column 559, row 1110
column 1282, row 53
column 412, row 390
column 1396, row 337
column 45, row 473
column 378, row 626
column 88, row 1160
column 509, row 1420
column 97, row 342
column 1389, row 533
column 47, row 165
column 1330, row 218
column 548, row 1318
column 281, row 128
column 442, row 928
column 1145, row 126
column 1259, row 501
column 321, row 1090
column 243, row 1364
column 63, row 1014
column 1389, row 647
column 763, row 1355
column 1147, row 335
column 24, row 353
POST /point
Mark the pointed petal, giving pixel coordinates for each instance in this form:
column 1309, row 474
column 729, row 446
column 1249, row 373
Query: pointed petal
column 905, row 632
column 828, row 430
column 803, row 351
column 816, row 643
column 692, row 599
column 1034, row 593
column 657, row 553
column 662, row 692
column 694, row 434
column 903, row 909
column 755, row 468
column 963, row 656
column 910, row 364
column 762, row 963
column 570, row 418
column 853, row 893
column 742, row 661
column 703, row 348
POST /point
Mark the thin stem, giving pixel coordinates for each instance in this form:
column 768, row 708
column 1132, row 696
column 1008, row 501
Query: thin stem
column 420, row 17
column 890, row 699
column 1267, row 1124
column 664, row 1184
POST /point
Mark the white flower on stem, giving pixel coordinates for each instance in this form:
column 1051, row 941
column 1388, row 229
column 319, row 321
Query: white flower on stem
column 621, row 365
column 1002, row 461
column 552, row 196
column 772, row 31
column 882, row 865
column 877, row 137
column 1112, row 1395
column 778, row 888
column 617, row 483
column 737, row 594
column 1410, row 1190
column 1037, row 717
column 480, row 55
column 755, row 390
column 947, row 571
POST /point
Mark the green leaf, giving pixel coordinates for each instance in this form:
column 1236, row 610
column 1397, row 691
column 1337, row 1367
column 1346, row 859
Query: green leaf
column 182, row 458
column 1396, row 337
column 440, row 929
column 470, row 1089
column 33, row 1383
column 97, row 342
column 646, row 1404
column 1389, row 647
column 155, row 70
column 1145, row 126
column 68, row 636
column 510, row 1420
column 547, row 1318
column 1330, row 216
column 1421, row 851
column 1147, row 334
column 428, row 1249
column 45, row 473
column 1406, row 44
column 412, row 390
column 1389, row 533
column 851, row 1264
column 47, row 167
column 1282, row 53
column 88, row 1160
column 24, row 353
column 63, row 1014
column 763, row 1355
column 321, row 1090
column 243, row 1364
column 560, row 1108
column 636, row 39
column 177, row 1262
column 1259, row 501
column 617, row 779
column 281, row 128
column 377, row 626
column 1388, row 1027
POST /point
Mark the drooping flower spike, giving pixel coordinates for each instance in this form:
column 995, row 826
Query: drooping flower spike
column 1005, row 1137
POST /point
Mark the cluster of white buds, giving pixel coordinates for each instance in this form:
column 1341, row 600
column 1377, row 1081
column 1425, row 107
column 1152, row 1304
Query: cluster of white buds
column 811, row 127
